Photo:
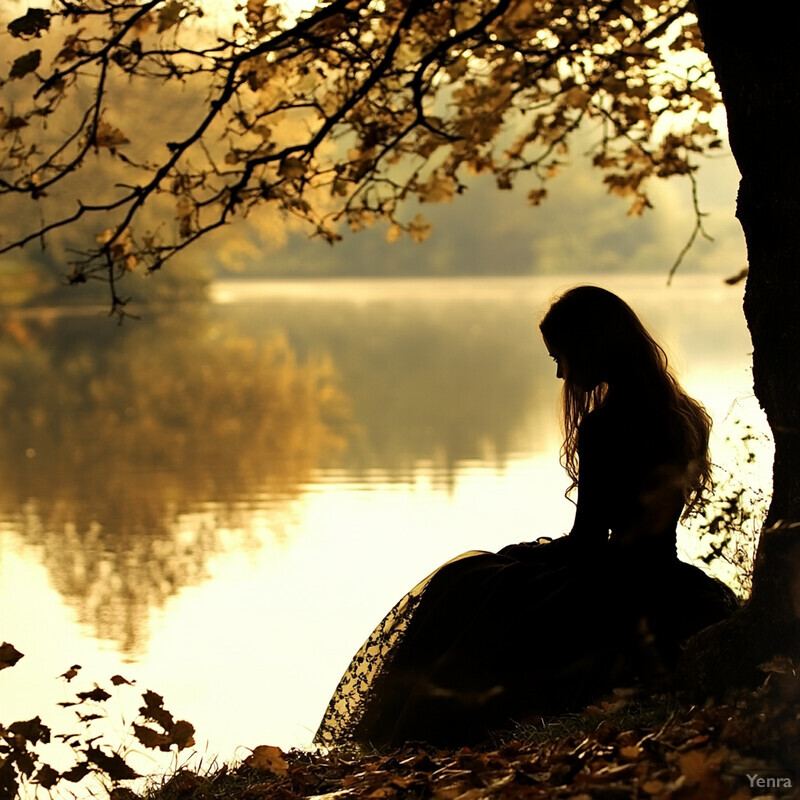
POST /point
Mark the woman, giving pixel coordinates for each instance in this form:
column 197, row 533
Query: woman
column 545, row 627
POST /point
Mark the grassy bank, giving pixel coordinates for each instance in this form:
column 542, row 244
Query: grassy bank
column 661, row 748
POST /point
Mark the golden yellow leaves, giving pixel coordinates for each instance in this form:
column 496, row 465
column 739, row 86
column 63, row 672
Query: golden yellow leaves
column 254, row 11
column 186, row 214
column 394, row 233
column 292, row 168
column 707, row 99
column 107, row 135
column 577, row 97
column 536, row 196
column 438, row 188
column 418, row 230
column 120, row 247
column 170, row 15
column 267, row 758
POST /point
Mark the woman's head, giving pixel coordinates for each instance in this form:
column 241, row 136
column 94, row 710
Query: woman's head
column 604, row 349
column 599, row 339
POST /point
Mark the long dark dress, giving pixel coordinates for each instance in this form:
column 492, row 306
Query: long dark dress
column 544, row 627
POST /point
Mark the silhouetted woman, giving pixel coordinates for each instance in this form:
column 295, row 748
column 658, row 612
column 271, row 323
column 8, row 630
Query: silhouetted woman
column 548, row 626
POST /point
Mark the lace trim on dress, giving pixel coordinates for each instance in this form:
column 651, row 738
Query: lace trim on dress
column 348, row 703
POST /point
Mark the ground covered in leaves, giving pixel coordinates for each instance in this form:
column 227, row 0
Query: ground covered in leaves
column 746, row 747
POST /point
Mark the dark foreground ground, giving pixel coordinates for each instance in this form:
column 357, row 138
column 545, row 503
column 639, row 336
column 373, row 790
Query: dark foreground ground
column 745, row 747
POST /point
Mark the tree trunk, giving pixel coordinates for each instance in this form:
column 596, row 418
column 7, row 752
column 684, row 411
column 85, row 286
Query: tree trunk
column 755, row 64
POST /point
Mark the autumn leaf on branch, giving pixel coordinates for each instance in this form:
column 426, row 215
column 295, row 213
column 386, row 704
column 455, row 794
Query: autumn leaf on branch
column 9, row 655
column 34, row 23
column 336, row 117
column 107, row 135
column 26, row 64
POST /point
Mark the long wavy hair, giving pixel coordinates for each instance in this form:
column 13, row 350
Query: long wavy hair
column 593, row 327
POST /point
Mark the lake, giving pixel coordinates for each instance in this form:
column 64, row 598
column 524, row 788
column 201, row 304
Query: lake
column 219, row 503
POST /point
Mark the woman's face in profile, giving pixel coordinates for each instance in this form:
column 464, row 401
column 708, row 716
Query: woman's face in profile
column 576, row 369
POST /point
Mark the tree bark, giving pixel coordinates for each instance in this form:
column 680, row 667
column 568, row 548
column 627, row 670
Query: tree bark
column 754, row 58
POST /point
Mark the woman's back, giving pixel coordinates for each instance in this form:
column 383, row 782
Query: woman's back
column 632, row 478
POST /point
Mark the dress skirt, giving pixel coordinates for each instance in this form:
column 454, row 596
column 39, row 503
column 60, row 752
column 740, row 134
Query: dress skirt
column 491, row 639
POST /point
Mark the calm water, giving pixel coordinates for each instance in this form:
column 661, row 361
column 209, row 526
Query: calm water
column 221, row 503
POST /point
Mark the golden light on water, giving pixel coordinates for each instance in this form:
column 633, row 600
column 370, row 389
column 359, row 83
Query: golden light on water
column 249, row 646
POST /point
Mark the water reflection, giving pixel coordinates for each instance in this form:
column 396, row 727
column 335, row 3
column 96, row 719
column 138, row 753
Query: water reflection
column 298, row 456
column 110, row 437
column 439, row 383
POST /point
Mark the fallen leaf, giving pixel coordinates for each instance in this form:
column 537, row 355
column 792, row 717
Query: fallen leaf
column 113, row 765
column 182, row 734
column 153, row 709
column 155, row 740
column 31, row 730
column 268, row 758
column 47, row 776
column 631, row 752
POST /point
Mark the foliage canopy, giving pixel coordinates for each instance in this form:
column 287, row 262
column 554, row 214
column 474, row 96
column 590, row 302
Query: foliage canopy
column 333, row 115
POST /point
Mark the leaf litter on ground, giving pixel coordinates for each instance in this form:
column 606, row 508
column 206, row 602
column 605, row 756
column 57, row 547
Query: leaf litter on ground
column 745, row 747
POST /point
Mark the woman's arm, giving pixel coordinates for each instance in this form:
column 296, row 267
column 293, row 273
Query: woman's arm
column 596, row 483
